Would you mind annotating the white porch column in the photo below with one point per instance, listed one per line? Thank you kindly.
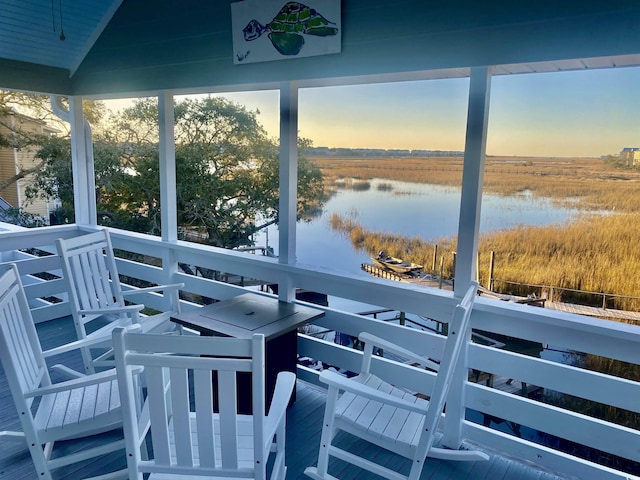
(468, 228)
(472, 178)
(84, 181)
(167, 152)
(288, 180)
(168, 203)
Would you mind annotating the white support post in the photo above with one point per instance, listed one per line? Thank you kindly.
(84, 189)
(472, 178)
(468, 228)
(168, 196)
(288, 181)
(167, 151)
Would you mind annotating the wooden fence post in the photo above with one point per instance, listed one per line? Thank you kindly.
(453, 269)
(435, 257)
(491, 267)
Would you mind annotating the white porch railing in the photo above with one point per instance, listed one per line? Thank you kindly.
(608, 339)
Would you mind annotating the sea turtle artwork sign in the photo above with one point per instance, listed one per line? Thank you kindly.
(265, 30)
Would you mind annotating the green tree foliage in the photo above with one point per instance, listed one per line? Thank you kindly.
(226, 172)
(616, 161)
(18, 216)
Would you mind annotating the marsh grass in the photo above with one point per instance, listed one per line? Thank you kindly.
(360, 185)
(594, 253)
(346, 182)
(581, 182)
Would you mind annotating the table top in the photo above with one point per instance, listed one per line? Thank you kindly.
(246, 314)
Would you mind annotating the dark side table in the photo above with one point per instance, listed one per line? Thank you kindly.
(251, 313)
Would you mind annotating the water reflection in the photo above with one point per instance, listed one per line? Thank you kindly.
(426, 211)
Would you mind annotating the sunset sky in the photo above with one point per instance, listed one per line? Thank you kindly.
(580, 113)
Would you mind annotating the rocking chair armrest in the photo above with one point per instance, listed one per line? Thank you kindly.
(285, 382)
(67, 385)
(68, 347)
(67, 371)
(87, 380)
(157, 288)
(334, 379)
(106, 311)
(85, 342)
(397, 349)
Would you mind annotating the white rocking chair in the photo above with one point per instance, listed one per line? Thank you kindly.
(390, 417)
(97, 300)
(48, 412)
(190, 440)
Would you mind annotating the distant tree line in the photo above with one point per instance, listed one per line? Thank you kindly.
(378, 152)
(620, 161)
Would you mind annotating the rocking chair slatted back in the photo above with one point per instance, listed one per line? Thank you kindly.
(92, 267)
(188, 437)
(97, 299)
(90, 270)
(21, 344)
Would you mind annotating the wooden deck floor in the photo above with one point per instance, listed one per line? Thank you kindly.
(303, 436)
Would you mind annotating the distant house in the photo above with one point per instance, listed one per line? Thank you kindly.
(631, 155)
(13, 160)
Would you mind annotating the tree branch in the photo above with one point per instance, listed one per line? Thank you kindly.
(265, 225)
(20, 175)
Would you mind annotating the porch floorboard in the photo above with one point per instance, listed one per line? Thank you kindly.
(304, 422)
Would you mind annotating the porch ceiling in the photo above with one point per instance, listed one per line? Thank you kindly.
(31, 30)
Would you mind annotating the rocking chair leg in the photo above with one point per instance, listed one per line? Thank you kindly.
(39, 456)
(325, 441)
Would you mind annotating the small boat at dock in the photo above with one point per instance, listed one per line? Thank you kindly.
(395, 264)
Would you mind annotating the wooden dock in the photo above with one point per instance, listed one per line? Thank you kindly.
(415, 278)
(504, 384)
(429, 280)
(606, 313)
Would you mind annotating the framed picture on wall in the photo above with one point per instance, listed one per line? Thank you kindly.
(266, 30)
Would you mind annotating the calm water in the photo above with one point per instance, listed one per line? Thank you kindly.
(427, 211)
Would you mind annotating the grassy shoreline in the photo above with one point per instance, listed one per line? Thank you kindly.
(595, 252)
